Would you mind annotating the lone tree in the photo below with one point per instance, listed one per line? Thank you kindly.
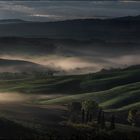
(89, 107)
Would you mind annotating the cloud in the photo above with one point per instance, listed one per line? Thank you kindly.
(46, 16)
(12, 6)
(56, 10)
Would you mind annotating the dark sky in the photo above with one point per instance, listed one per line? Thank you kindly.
(62, 10)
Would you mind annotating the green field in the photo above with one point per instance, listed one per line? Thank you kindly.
(114, 90)
(37, 103)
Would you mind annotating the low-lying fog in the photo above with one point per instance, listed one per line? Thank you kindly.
(82, 59)
(23, 98)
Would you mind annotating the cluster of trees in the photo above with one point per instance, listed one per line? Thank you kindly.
(42, 74)
(20, 75)
(89, 111)
(11, 76)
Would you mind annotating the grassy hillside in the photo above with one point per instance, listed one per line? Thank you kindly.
(117, 89)
(41, 83)
(125, 96)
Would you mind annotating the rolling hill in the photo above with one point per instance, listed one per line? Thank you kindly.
(116, 89)
(87, 44)
(120, 29)
(108, 39)
(20, 66)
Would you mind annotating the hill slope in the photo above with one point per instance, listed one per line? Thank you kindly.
(20, 66)
(117, 89)
(120, 29)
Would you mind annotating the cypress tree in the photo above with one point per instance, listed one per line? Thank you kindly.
(103, 121)
(83, 116)
(112, 123)
(99, 116)
(90, 117)
(87, 116)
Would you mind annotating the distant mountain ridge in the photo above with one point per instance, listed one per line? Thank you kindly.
(118, 29)
(3, 21)
(12, 20)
